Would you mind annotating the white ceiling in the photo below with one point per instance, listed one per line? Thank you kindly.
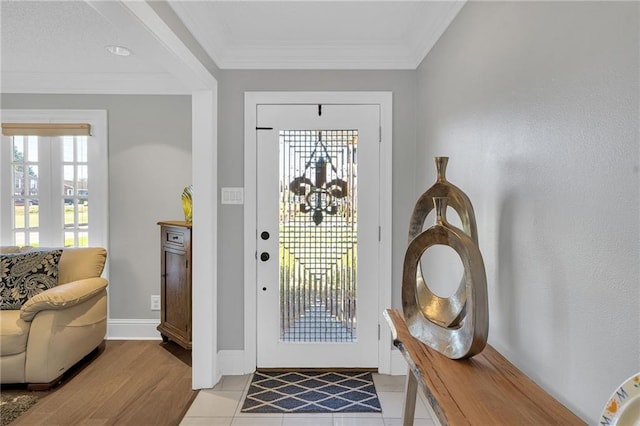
(317, 34)
(59, 46)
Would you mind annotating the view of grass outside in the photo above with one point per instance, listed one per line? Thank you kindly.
(83, 241)
(69, 219)
(33, 182)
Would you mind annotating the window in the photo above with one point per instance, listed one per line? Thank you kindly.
(75, 190)
(54, 178)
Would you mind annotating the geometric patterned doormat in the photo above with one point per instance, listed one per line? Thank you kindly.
(311, 392)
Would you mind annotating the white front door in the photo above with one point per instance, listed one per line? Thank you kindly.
(318, 210)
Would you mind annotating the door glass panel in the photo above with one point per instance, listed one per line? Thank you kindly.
(33, 213)
(82, 149)
(83, 178)
(69, 239)
(19, 180)
(83, 239)
(19, 214)
(20, 239)
(69, 215)
(67, 149)
(34, 239)
(83, 213)
(69, 181)
(18, 149)
(32, 149)
(25, 178)
(75, 191)
(318, 235)
(33, 180)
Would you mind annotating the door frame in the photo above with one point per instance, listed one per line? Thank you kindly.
(251, 102)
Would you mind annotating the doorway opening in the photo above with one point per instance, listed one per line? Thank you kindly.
(306, 189)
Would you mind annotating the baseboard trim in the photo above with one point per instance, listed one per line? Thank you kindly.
(231, 362)
(132, 329)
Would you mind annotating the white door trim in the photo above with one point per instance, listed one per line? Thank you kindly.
(251, 101)
(204, 160)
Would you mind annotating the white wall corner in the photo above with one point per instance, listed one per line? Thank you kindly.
(132, 329)
(231, 362)
(398, 364)
(205, 214)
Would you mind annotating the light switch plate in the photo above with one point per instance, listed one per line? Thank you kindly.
(232, 196)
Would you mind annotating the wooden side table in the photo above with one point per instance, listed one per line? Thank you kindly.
(484, 390)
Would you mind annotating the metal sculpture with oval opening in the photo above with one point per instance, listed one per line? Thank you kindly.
(456, 326)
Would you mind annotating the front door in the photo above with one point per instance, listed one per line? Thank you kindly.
(318, 190)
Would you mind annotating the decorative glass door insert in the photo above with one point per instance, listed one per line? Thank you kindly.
(317, 221)
(318, 226)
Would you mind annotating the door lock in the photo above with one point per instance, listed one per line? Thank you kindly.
(264, 235)
(264, 256)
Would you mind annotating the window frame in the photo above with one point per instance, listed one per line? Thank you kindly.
(98, 184)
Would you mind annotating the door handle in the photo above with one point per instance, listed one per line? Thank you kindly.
(264, 256)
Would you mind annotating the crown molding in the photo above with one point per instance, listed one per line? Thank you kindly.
(319, 58)
(229, 52)
(431, 32)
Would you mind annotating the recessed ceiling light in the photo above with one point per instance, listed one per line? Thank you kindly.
(118, 50)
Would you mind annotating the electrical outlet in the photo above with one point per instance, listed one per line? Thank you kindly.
(155, 303)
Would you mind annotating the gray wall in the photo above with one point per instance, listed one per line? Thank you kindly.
(232, 85)
(536, 103)
(149, 165)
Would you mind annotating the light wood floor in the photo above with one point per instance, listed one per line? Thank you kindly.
(129, 383)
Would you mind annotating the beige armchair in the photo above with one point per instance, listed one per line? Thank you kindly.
(58, 327)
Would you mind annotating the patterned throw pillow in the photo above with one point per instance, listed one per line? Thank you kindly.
(25, 275)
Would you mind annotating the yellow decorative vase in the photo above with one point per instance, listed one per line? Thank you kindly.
(187, 203)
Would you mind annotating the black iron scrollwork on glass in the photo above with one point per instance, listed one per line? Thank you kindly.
(321, 197)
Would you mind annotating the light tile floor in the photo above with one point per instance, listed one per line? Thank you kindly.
(221, 406)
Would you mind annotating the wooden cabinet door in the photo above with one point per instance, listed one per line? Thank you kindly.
(175, 316)
(177, 298)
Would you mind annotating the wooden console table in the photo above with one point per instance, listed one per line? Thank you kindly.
(484, 390)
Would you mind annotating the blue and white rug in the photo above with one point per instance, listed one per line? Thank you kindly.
(311, 392)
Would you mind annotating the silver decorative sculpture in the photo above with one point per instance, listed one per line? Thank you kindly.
(444, 311)
(456, 326)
